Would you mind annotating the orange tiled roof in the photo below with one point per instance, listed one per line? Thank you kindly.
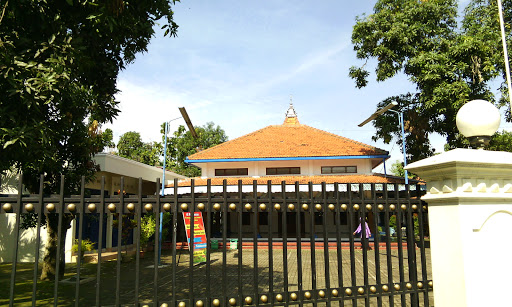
(292, 179)
(287, 140)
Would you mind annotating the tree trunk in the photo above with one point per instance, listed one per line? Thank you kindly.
(50, 257)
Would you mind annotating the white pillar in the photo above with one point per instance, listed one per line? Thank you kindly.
(469, 194)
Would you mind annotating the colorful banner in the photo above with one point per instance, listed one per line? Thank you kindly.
(199, 235)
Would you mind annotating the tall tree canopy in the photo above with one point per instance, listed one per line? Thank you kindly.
(131, 146)
(449, 62)
(182, 144)
(59, 62)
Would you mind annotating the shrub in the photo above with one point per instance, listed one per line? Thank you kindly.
(147, 228)
(87, 246)
(392, 222)
(416, 224)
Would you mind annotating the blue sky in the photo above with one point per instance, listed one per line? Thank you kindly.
(236, 63)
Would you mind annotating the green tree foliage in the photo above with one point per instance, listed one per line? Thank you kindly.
(397, 169)
(450, 63)
(59, 62)
(182, 144)
(501, 141)
(132, 147)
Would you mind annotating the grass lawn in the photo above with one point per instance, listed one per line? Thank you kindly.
(45, 289)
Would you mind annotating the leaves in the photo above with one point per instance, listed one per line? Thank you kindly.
(501, 141)
(449, 63)
(59, 61)
(10, 142)
(132, 147)
(183, 144)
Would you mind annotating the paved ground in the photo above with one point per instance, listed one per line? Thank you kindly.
(231, 285)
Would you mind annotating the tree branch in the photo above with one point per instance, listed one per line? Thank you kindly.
(3, 11)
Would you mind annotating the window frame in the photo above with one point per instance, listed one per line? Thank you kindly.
(323, 169)
(278, 171)
(239, 172)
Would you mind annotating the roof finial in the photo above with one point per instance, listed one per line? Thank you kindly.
(291, 115)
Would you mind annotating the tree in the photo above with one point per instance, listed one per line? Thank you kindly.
(183, 144)
(449, 63)
(130, 146)
(397, 169)
(501, 141)
(59, 62)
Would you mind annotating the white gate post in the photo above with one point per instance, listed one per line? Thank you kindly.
(469, 193)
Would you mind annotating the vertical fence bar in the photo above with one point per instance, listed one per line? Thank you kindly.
(422, 251)
(270, 245)
(209, 239)
(59, 236)
(191, 209)
(312, 241)
(389, 261)
(174, 240)
(411, 250)
(119, 211)
(255, 221)
(299, 243)
(224, 239)
(158, 244)
(100, 241)
(239, 211)
(138, 213)
(285, 242)
(326, 241)
(17, 211)
(40, 212)
(338, 240)
(400, 243)
(376, 208)
(81, 212)
(365, 243)
(350, 221)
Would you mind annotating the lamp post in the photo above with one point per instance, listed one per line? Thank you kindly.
(505, 53)
(401, 122)
(185, 116)
(166, 130)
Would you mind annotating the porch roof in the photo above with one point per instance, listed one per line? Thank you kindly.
(329, 179)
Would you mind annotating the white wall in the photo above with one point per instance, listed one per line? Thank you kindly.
(27, 241)
(307, 167)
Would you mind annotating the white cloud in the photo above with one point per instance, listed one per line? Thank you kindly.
(145, 107)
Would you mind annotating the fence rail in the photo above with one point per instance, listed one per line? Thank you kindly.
(293, 247)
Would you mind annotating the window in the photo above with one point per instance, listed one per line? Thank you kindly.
(231, 172)
(339, 169)
(283, 170)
